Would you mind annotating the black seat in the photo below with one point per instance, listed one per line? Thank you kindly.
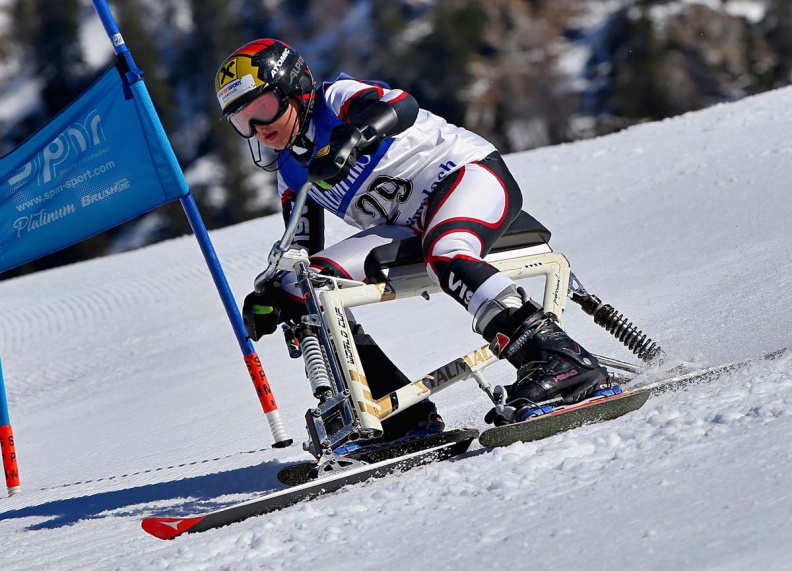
(523, 232)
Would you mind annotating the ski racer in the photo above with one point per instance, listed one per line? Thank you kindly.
(403, 172)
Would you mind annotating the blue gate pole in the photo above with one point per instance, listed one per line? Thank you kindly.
(255, 369)
(7, 443)
(252, 361)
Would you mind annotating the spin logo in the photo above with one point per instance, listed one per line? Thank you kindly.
(63, 151)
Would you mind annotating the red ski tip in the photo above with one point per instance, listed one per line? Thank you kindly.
(169, 527)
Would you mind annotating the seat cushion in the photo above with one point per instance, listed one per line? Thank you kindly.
(524, 231)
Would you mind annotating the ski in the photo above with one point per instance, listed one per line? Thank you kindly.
(297, 474)
(563, 418)
(170, 527)
(551, 420)
(443, 445)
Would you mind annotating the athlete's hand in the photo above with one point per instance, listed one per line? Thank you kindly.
(333, 162)
(264, 310)
(262, 313)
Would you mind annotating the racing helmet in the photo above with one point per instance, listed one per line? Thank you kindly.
(260, 66)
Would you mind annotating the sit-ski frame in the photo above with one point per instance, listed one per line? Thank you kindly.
(412, 281)
(351, 398)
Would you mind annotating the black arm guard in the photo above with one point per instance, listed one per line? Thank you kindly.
(378, 120)
(367, 122)
(376, 123)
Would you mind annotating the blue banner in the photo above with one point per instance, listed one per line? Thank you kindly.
(100, 162)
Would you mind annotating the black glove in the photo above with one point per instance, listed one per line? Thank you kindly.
(262, 312)
(333, 162)
(348, 141)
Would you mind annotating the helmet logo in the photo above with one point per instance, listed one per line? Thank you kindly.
(279, 64)
(298, 65)
(235, 89)
(228, 72)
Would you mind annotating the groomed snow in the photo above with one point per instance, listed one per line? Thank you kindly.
(129, 396)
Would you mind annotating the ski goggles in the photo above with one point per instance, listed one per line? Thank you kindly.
(263, 110)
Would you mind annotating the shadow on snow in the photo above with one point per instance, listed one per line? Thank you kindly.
(200, 494)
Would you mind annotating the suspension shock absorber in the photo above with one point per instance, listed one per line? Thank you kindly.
(607, 317)
(622, 329)
(315, 363)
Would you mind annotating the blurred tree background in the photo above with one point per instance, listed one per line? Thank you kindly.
(522, 73)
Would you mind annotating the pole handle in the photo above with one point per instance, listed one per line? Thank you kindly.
(282, 246)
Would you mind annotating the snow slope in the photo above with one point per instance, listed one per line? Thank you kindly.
(129, 396)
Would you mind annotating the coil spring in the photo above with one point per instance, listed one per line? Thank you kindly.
(315, 365)
(623, 330)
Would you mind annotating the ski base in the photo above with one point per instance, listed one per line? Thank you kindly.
(297, 474)
(170, 527)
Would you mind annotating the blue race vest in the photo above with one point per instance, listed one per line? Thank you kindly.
(337, 199)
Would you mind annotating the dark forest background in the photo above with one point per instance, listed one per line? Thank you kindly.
(523, 73)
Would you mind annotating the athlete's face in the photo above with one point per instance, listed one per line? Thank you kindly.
(280, 133)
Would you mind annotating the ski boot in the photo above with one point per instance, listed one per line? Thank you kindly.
(549, 363)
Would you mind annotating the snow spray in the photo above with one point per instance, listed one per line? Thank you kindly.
(7, 443)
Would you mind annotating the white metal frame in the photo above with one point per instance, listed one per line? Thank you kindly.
(411, 281)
